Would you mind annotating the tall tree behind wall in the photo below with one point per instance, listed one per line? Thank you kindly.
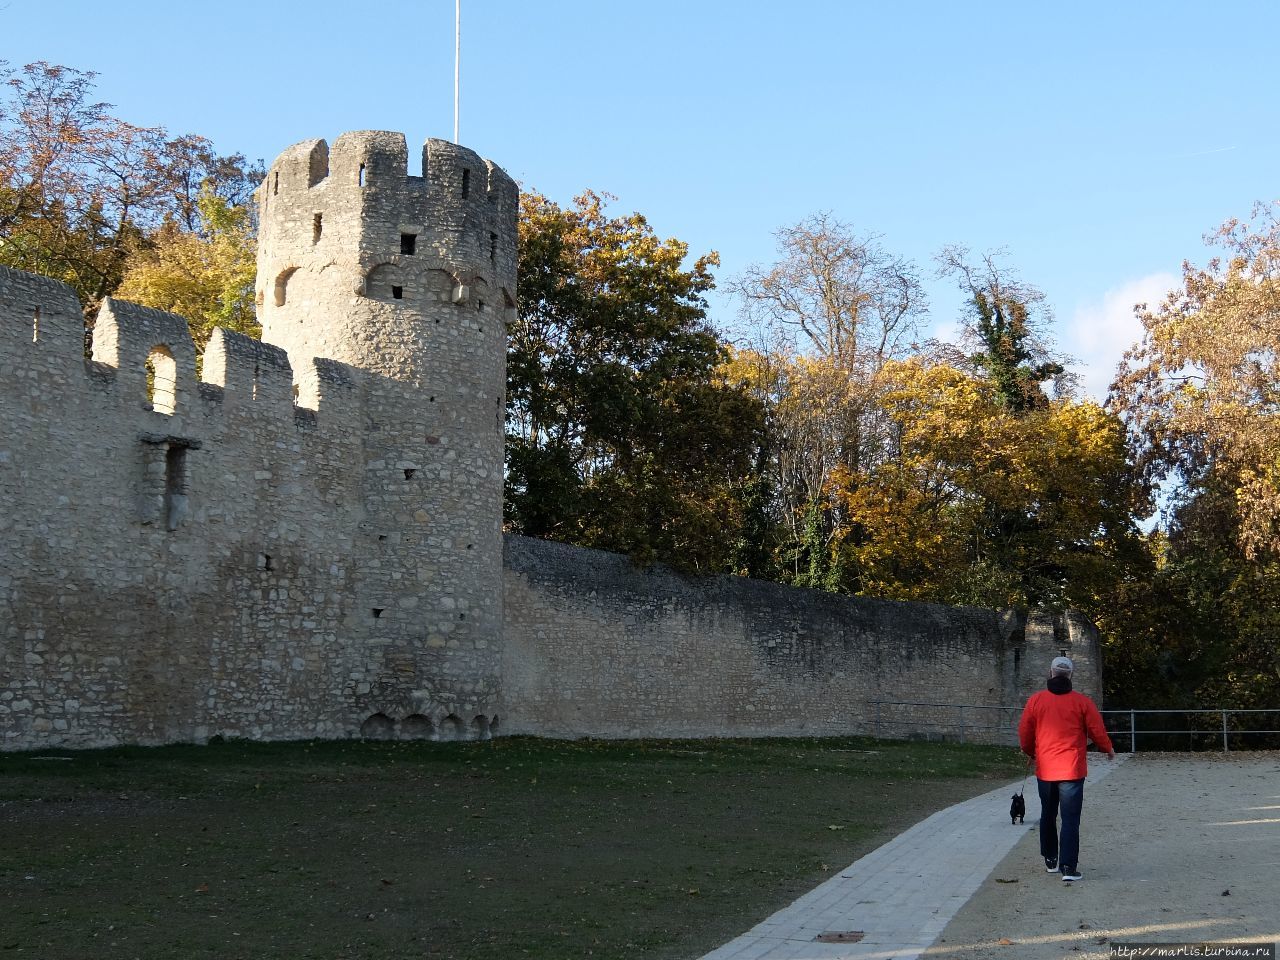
(828, 314)
(82, 190)
(623, 433)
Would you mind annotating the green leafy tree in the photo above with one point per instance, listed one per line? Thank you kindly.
(623, 432)
(1006, 326)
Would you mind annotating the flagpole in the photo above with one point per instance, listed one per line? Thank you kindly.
(457, 64)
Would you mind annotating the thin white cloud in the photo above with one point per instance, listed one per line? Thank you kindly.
(1100, 333)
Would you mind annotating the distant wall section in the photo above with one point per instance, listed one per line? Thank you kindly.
(595, 647)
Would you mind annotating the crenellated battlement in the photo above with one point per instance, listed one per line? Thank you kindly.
(145, 359)
(378, 160)
(307, 540)
(352, 219)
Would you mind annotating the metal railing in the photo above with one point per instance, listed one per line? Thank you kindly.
(1224, 729)
(982, 723)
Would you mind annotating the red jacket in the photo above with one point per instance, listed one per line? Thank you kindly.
(1055, 728)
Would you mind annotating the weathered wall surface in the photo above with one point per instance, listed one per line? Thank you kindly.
(167, 575)
(593, 646)
(306, 542)
(296, 545)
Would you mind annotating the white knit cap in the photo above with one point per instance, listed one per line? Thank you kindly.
(1061, 665)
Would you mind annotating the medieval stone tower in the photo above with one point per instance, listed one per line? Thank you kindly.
(410, 279)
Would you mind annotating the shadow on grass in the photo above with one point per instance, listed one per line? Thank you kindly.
(510, 848)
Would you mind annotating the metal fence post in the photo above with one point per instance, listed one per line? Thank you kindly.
(962, 723)
(1133, 730)
(1225, 748)
(877, 719)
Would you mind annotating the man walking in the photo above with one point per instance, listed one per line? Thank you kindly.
(1056, 725)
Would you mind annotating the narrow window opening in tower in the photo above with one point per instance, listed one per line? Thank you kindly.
(377, 612)
(275, 183)
(409, 472)
(317, 227)
(360, 176)
(397, 293)
(493, 248)
(35, 325)
(408, 243)
(295, 394)
(255, 381)
(175, 485)
(466, 183)
(267, 563)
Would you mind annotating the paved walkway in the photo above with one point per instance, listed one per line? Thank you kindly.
(900, 896)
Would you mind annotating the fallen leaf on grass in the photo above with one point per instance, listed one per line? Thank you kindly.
(1005, 942)
(203, 888)
(1003, 880)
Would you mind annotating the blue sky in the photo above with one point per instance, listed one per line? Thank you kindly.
(1097, 142)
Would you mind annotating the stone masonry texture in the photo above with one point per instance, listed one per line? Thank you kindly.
(306, 540)
(594, 647)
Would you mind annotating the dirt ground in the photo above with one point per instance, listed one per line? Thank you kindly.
(1175, 848)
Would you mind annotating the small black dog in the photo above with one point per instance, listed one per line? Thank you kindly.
(1017, 809)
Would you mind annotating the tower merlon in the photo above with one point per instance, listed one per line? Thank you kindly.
(372, 159)
(299, 168)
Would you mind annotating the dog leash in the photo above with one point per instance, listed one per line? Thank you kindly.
(1022, 789)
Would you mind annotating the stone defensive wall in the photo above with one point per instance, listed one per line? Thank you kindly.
(173, 554)
(305, 540)
(595, 647)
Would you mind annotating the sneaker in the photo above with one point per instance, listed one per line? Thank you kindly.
(1070, 874)
(1050, 864)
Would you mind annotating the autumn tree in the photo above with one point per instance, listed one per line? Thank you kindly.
(835, 293)
(81, 189)
(204, 273)
(829, 313)
(1201, 392)
(623, 433)
(985, 505)
(1200, 395)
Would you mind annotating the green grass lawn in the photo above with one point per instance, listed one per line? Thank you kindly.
(501, 850)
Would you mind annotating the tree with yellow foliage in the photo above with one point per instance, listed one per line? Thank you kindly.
(1201, 392)
(986, 505)
(206, 274)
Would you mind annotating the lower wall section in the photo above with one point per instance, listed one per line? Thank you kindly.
(595, 647)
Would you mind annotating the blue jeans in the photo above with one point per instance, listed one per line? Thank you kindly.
(1065, 797)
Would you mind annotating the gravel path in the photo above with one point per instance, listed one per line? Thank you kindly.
(1174, 848)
